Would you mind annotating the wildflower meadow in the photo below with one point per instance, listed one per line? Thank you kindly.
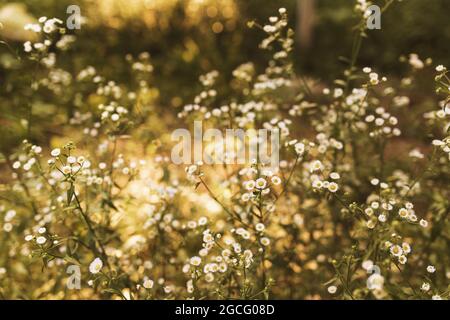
(144, 155)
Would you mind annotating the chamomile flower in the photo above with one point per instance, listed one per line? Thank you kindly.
(55, 152)
(403, 213)
(316, 166)
(402, 259)
(333, 187)
(249, 185)
(265, 241)
(396, 250)
(259, 227)
(261, 183)
(275, 180)
(406, 248)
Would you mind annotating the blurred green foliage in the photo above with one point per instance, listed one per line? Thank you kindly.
(182, 50)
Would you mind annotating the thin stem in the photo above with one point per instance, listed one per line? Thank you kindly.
(91, 230)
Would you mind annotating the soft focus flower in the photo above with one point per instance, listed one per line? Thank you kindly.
(95, 266)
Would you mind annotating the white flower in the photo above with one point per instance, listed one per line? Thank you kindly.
(333, 187)
(332, 289)
(276, 180)
(249, 185)
(375, 205)
(425, 287)
(259, 227)
(299, 148)
(436, 297)
(403, 213)
(245, 197)
(265, 241)
(335, 176)
(261, 183)
(148, 284)
(382, 218)
(96, 266)
(29, 237)
(16, 165)
(71, 160)
(7, 227)
(41, 240)
(440, 68)
(431, 269)
(195, 261)
(27, 46)
(415, 153)
(316, 165)
(66, 170)
(367, 265)
(317, 184)
(438, 143)
(42, 230)
(406, 247)
(55, 152)
(423, 223)
(402, 259)
(396, 250)
(115, 117)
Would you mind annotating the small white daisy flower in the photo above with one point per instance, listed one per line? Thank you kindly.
(95, 266)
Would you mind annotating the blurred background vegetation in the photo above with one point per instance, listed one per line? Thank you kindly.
(189, 37)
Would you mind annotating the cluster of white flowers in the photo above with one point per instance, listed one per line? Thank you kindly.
(142, 64)
(113, 112)
(415, 61)
(87, 73)
(399, 251)
(8, 219)
(47, 26)
(57, 79)
(244, 72)
(110, 89)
